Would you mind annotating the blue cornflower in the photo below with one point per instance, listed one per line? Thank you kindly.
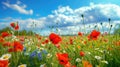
(44, 51)
(24, 49)
(39, 56)
(33, 54)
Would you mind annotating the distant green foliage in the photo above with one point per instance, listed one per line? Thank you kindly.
(117, 31)
(21, 32)
(8, 29)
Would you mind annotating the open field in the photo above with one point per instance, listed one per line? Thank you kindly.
(65, 51)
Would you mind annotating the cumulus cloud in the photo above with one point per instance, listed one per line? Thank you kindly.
(69, 21)
(66, 14)
(18, 7)
(92, 13)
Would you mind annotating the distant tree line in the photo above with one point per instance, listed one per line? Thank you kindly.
(30, 32)
(21, 32)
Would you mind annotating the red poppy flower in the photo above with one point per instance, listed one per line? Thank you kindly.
(17, 47)
(54, 38)
(80, 34)
(46, 41)
(82, 53)
(4, 63)
(68, 65)
(63, 58)
(43, 43)
(5, 34)
(94, 35)
(7, 44)
(14, 25)
(1, 39)
(85, 42)
(71, 41)
(86, 64)
(74, 66)
(11, 50)
(22, 38)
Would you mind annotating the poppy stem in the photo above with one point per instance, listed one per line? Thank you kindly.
(109, 25)
(83, 23)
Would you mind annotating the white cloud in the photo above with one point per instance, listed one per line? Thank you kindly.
(18, 7)
(7, 19)
(66, 14)
(92, 13)
(36, 23)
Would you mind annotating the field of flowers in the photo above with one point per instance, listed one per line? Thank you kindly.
(83, 50)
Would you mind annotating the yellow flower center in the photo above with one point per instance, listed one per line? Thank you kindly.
(6, 57)
(22, 66)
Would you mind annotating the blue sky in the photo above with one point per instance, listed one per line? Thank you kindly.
(67, 13)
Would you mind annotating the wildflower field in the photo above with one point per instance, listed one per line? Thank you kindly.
(94, 49)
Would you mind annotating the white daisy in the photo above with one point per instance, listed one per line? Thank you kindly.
(22, 65)
(98, 57)
(49, 55)
(43, 65)
(78, 60)
(104, 61)
(6, 56)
